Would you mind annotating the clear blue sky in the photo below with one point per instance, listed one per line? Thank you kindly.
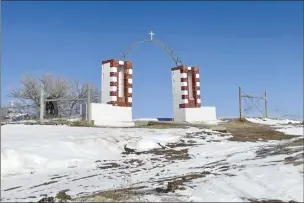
(256, 45)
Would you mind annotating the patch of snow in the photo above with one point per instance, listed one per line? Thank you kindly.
(269, 121)
(269, 182)
(47, 159)
(115, 124)
(146, 143)
(292, 130)
(284, 126)
(57, 147)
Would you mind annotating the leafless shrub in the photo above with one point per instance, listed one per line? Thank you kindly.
(55, 88)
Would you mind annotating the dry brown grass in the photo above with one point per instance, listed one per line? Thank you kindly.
(246, 131)
(161, 126)
(114, 195)
(62, 122)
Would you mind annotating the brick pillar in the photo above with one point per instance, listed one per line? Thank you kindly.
(111, 83)
(182, 97)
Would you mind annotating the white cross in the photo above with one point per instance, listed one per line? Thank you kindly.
(151, 35)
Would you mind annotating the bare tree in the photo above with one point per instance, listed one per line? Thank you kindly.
(55, 88)
(80, 91)
(29, 92)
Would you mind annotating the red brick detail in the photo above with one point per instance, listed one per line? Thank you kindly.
(193, 87)
(128, 65)
(125, 89)
(120, 103)
(117, 90)
(113, 74)
(113, 93)
(177, 68)
(195, 97)
(113, 84)
(120, 99)
(185, 96)
(184, 87)
(123, 104)
(192, 102)
(182, 106)
(123, 101)
(195, 70)
(183, 70)
(184, 79)
(107, 61)
(113, 62)
(127, 76)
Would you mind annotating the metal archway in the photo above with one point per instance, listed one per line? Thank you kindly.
(160, 44)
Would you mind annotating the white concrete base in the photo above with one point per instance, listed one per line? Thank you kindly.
(105, 114)
(202, 114)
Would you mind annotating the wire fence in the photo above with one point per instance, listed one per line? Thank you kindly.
(252, 105)
(68, 110)
(48, 109)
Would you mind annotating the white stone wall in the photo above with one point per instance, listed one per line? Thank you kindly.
(204, 113)
(105, 113)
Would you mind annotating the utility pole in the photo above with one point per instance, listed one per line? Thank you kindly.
(240, 103)
(41, 102)
(266, 104)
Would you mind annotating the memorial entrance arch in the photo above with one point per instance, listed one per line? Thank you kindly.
(117, 91)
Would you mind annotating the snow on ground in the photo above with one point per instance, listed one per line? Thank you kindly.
(38, 160)
(269, 121)
(286, 126)
(118, 124)
(28, 148)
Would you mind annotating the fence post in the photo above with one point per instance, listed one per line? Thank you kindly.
(240, 103)
(89, 104)
(41, 102)
(266, 104)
